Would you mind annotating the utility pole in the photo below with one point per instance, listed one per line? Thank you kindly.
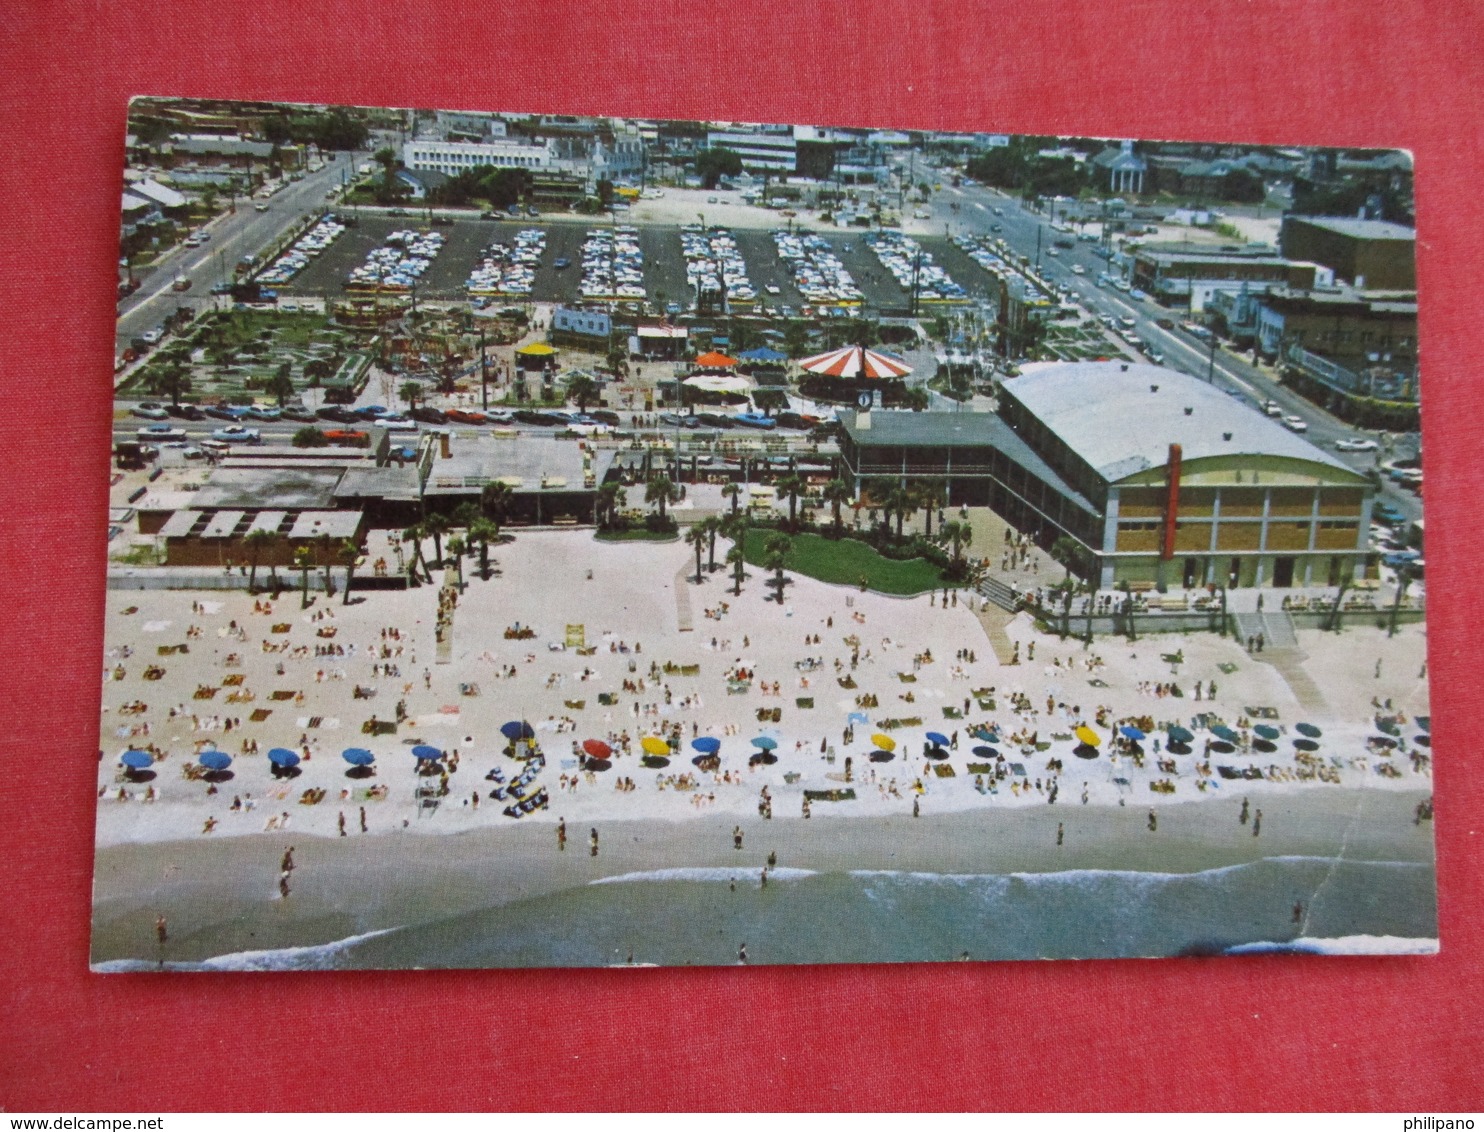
(1038, 248)
(1211, 357)
(484, 374)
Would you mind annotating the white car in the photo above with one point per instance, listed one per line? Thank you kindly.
(1358, 444)
(1296, 424)
(773, 290)
(1078, 269)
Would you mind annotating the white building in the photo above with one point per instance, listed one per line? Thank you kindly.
(760, 147)
(453, 158)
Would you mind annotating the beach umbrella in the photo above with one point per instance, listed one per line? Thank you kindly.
(1087, 735)
(1423, 740)
(1266, 731)
(1221, 731)
(422, 752)
(1308, 729)
(1306, 744)
(881, 756)
(282, 756)
(858, 717)
(1179, 734)
(1264, 746)
(762, 742)
(653, 745)
(706, 744)
(986, 734)
(1388, 726)
(358, 756)
(986, 752)
(1424, 722)
(1132, 733)
(884, 742)
(137, 760)
(517, 729)
(937, 738)
(714, 359)
(855, 361)
(214, 760)
(597, 748)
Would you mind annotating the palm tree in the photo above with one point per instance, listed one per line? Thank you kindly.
(1068, 552)
(172, 381)
(411, 392)
(415, 535)
(957, 532)
(350, 553)
(326, 559)
(281, 384)
(1403, 580)
(696, 537)
(836, 493)
(930, 494)
(483, 532)
(791, 487)
(438, 525)
(583, 390)
(712, 525)
(610, 497)
(738, 558)
(494, 500)
(303, 562)
(776, 550)
(386, 157)
(732, 491)
(661, 491)
(258, 541)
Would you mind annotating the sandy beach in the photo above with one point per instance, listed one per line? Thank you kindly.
(207, 856)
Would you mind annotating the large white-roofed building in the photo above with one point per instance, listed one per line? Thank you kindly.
(1159, 477)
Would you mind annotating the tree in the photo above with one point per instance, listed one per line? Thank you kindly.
(915, 397)
(482, 532)
(438, 525)
(309, 437)
(456, 549)
(776, 551)
(732, 491)
(930, 494)
(281, 384)
(712, 525)
(350, 554)
(738, 558)
(259, 542)
(791, 487)
(411, 392)
(1403, 580)
(170, 380)
(957, 532)
(494, 500)
(610, 497)
(583, 390)
(714, 164)
(415, 535)
(837, 493)
(696, 537)
(660, 492)
(386, 157)
(895, 501)
(770, 398)
(1068, 552)
(303, 562)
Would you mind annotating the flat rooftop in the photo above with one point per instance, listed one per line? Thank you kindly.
(269, 487)
(527, 463)
(1122, 417)
(1358, 229)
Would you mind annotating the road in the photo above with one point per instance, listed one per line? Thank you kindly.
(980, 209)
(233, 235)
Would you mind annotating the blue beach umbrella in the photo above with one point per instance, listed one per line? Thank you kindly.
(358, 756)
(1179, 734)
(517, 729)
(1308, 729)
(1221, 731)
(1423, 721)
(858, 717)
(1132, 733)
(986, 752)
(282, 756)
(214, 760)
(937, 738)
(422, 752)
(762, 742)
(1266, 731)
(706, 744)
(137, 760)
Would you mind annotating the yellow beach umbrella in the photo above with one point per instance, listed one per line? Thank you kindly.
(1088, 735)
(885, 742)
(654, 746)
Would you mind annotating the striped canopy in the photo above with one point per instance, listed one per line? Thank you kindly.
(856, 361)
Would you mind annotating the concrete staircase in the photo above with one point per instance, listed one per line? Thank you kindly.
(1276, 628)
(992, 589)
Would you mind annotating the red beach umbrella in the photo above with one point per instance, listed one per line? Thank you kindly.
(597, 748)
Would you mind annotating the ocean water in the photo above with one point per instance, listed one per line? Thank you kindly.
(679, 917)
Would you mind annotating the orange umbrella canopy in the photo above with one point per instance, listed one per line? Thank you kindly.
(715, 360)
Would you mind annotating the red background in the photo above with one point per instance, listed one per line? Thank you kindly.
(1285, 1033)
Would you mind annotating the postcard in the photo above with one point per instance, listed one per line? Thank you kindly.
(541, 540)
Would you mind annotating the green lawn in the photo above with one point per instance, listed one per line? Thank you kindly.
(844, 561)
(637, 534)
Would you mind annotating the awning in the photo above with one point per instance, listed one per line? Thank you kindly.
(714, 360)
(856, 361)
(537, 350)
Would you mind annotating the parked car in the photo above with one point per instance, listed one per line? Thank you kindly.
(298, 413)
(1295, 424)
(1356, 444)
(264, 412)
(716, 420)
(150, 411)
(466, 416)
(500, 416)
(226, 412)
(1386, 513)
(185, 412)
(237, 434)
(1272, 408)
(338, 413)
(562, 263)
(348, 437)
(756, 420)
(428, 415)
(606, 416)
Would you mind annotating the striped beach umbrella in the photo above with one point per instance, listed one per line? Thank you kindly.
(856, 361)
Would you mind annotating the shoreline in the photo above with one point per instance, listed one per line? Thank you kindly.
(220, 897)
